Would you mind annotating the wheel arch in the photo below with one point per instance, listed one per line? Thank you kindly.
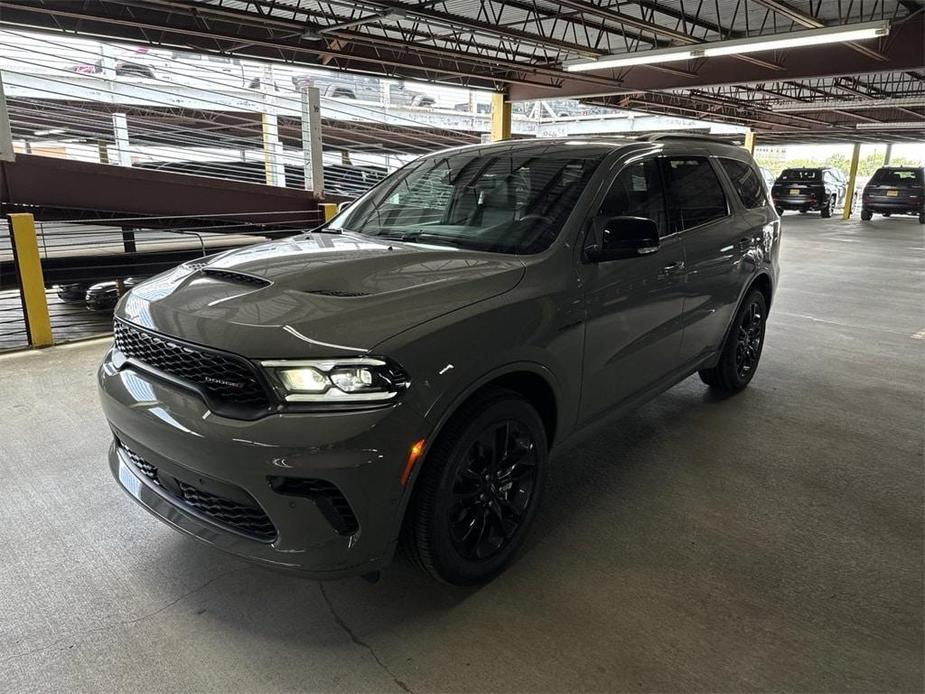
(532, 381)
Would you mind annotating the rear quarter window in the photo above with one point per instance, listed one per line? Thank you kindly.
(746, 182)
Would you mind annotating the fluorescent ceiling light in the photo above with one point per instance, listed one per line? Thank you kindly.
(799, 39)
(848, 104)
(53, 131)
(754, 44)
(666, 55)
(902, 125)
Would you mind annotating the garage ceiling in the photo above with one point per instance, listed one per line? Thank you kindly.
(874, 88)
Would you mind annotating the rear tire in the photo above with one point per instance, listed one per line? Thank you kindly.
(742, 348)
(478, 491)
(922, 217)
(866, 215)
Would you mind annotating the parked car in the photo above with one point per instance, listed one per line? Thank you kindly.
(895, 190)
(72, 292)
(402, 374)
(103, 296)
(804, 190)
(96, 296)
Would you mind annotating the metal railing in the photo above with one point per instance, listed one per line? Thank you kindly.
(60, 280)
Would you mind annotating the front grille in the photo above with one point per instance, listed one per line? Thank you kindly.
(327, 497)
(226, 378)
(146, 468)
(248, 519)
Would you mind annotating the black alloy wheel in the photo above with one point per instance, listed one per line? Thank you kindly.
(741, 351)
(492, 490)
(749, 338)
(478, 490)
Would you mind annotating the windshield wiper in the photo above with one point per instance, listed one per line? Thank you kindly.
(415, 236)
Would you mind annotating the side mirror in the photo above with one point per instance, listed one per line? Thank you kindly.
(341, 206)
(625, 237)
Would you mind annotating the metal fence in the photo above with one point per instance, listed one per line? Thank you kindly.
(83, 268)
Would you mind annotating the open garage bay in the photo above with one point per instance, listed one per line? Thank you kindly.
(771, 541)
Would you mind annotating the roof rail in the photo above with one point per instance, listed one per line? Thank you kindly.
(732, 138)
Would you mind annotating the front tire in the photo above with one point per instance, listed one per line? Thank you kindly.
(742, 349)
(478, 491)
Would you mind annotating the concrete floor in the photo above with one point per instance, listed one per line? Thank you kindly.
(768, 542)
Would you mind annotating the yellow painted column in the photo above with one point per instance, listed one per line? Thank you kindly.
(31, 282)
(750, 142)
(500, 117)
(852, 177)
(329, 209)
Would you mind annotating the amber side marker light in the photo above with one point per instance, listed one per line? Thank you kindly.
(413, 456)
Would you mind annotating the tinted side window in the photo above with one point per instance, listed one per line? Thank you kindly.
(695, 194)
(635, 192)
(746, 182)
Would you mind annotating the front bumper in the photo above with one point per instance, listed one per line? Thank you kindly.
(360, 454)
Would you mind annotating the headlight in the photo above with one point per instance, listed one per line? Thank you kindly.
(347, 380)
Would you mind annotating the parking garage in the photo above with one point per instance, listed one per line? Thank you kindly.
(702, 538)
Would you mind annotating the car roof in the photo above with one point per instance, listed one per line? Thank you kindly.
(604, 143)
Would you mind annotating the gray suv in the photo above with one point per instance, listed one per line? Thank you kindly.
(400, 376)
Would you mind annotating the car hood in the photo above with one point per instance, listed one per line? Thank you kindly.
(315, 295)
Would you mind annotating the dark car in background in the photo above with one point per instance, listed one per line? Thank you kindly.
(402, 374)
(809, 189)
(895, 190)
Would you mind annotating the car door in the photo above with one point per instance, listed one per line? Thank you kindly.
(632, 305)
(715, 242)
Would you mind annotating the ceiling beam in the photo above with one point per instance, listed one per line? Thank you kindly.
(903, 52)
(797, 16)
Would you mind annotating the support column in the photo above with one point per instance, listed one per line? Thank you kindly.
(750, 142)
(6, 134)
(328, 210)
(31, 282)
(888, 155)
(120, 133)
(500, 117)
(312, 155)
(273, 168)
(852, 177)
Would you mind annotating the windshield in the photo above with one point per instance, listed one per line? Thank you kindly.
(800, 175)
(502, 200)
(897, 177)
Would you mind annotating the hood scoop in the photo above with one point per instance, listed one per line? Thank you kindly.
(236, 277)
(340, 293)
